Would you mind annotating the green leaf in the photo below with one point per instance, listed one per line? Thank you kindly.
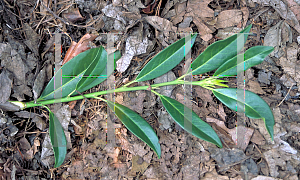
(93, 69)
(252, 57)
(117, 56)
(71, 73)
(255, 107)
(200, 129)
(164, 61)
(137, 125)
(58, 140)
(218, 53)
(102, 75)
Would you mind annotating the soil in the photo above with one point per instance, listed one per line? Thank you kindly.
(29, 53)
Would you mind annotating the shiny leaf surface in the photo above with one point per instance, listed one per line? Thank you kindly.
(200, 129)
(72, 73)
(219, 52)
(137, 125)
(164, 61)
(98, 73)
(252, 57)
(58, 140)
(93, 70)
(255, 106)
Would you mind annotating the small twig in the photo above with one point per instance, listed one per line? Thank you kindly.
(259, 13)
(235, 163)
(284, 97)
(40, 23)
(56, 16)
(66, 21)
(224, 143)
(146, 59)
(257, 149)
(20, 153)
(35, 5)
(11, 7)
(85, 98)
(9, 126)
(158, 8)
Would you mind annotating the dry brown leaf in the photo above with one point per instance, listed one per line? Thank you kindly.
(39, 122)
(278, 36)
(136, 44)
(221, 112)
(255, 87)
(214, 176)
(245, 12)
(134, 100)
(160, 23)
(290, 64)
(229, 18)
(277, 157)
(286, 13)
(180, 11)
(199, 10)
(5, 85)
(204, 94)
(73, 15)
(131, 15)
(29, 154)
(77, 48)
(149, 8)
(36, 143)
(32, 39)
(43, 10)
(257, 138)
(240, 134)
(24, 144)
(72, 104)
(220, 129)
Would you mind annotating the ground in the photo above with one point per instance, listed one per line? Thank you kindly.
(142, 29)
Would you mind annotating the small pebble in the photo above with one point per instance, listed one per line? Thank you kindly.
(298, 40)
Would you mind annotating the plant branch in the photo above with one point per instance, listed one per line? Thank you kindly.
(206, 83)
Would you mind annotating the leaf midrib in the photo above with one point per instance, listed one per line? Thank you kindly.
(71, 79)
(212, 138)
(242, 103)
(135, 124)
(241, 62)
(213, 56)
(161, 63)
(182, 114)
(93, 69)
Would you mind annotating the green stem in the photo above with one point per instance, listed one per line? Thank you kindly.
(155, 92)
(129, 83)
(184, 75)
(23, 105)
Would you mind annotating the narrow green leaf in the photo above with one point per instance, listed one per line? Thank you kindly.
(58, 140)
(255, 107)
(117, 56)
(102, 75)
(252, 57)
(218, 53)
(137, 125)
(70, 73)
(73, 70)
(164, 61)
(200, 129)
(93, 69)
